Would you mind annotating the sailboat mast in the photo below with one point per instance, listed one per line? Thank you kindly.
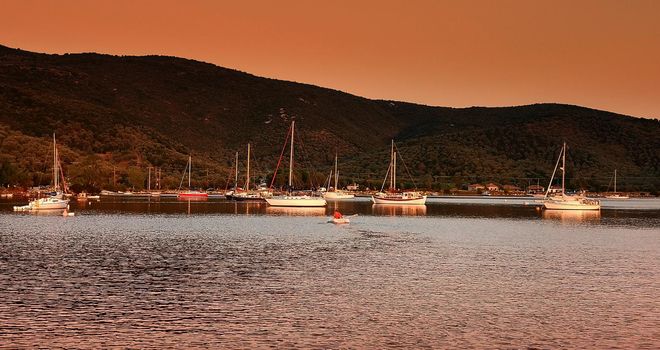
(247, 177)
(293, 123)
(336, 173)
(189, 169)
(392, 166)
(55, 173)
(614, 180)
(236, 172)
(394, 171)
(563, 170)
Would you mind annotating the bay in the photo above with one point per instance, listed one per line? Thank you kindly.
(457, 273)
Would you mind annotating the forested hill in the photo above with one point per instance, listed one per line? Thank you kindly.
(130, 113)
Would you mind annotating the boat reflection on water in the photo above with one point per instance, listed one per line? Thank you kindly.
(398, 210)
(47, 212)
(571, 216)
(296, 211)
(249, 207)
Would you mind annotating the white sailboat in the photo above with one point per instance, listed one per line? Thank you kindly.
(230, 194)
(392, 196)
(564, 201)
(247, 195)
(336, 193)
(294, 201)
(189, 193)
(54, 202)
(616, 195)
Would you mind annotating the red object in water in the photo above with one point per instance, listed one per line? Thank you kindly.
(338, 215)
(193, 194)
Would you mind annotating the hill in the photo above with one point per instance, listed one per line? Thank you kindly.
(123, 114)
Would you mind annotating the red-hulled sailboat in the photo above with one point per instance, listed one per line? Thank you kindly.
(190, 194)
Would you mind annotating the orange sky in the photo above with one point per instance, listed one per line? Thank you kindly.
(602, 54)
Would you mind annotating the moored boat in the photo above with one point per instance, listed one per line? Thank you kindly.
(292, 200)
(296, 201)
(564, 201)
(392, 196)
(190, 193)
(56, 201)
(193, 194)
(336, 193)
(403, 198)
(616, 195)
(247, 194)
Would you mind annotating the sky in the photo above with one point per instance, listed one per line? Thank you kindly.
(601, 54)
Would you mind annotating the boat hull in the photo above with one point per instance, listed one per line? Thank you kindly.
(193, 195)
(296, 201)
(249, 197)
(399, 201)
(617, 197)
(338, 195)
(339, 221)
(45, 204)
(570, 205)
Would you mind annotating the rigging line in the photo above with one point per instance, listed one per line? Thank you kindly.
(279, 161)
(405, 166)
(227, 183)
(183, 177)
(256, 166)
(385, 179)
(553, 173)
(610, 183)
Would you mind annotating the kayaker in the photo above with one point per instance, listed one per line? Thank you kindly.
(338, 215)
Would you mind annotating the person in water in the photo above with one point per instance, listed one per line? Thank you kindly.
(338, 215)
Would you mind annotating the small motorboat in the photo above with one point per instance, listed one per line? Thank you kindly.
(343, 220)
(337, 218)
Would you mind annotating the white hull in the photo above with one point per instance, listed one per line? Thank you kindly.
(296, 201)
(50, 203)
(339, 221)
(338, 195)
(571, 204)
(399, 201)
(616, 196)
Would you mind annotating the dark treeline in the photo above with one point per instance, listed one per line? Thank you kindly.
(116, 117)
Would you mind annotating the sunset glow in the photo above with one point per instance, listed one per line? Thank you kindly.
(599, 54)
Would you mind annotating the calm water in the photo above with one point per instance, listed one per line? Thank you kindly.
(457, 273)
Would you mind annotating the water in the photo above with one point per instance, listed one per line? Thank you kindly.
(240, 275)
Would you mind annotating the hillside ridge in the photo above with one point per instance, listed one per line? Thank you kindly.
(124, 114)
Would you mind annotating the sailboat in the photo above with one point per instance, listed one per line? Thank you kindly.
(230, 194)
(616, 195)
(336, 193)
(55, 201)
(564, 201)
(190, 194)
(247, 194)
(392, 196)
(290, 200)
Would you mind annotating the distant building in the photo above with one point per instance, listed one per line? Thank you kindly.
(535, 189)
(492, 187)
(554, 189)
(476, 187)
